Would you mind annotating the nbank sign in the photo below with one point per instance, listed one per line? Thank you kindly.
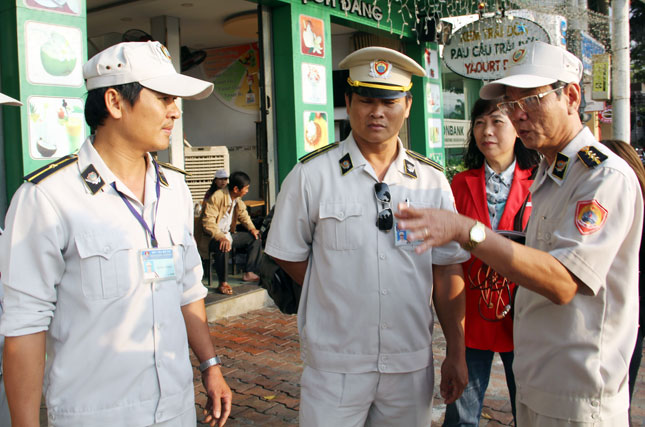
(357, 7)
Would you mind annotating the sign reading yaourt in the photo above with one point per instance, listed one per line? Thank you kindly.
(480, 50)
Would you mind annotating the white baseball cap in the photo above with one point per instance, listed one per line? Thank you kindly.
(7, 100)
(147, 63)
(379, 72)
(221, 174)
(535, 65)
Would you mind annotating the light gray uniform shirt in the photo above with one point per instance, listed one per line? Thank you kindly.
(117, 348)
(365, 304)
(571, 361)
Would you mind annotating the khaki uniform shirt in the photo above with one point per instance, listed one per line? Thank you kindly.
(365, 304)
(571, 361)
(117, 348)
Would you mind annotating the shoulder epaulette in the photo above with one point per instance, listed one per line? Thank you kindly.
(424, 159)
(173, 168)
(591, 156)
(39, 174)
(317, 152)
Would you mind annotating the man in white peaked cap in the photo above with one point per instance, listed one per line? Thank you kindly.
(576, 311)
(365, 317)
(5, 418)
(100, 268)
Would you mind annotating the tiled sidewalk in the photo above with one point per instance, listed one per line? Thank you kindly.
(262, 365)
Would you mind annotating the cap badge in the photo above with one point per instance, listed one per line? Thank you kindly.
(518, 55)
(380, 69)
(164, 51)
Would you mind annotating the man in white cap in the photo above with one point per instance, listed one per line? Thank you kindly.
(100, 267)
(5, 418)
(576, 311)
(365, 317)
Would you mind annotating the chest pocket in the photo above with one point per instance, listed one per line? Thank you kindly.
(340, 225)
(186, 255)
(545, 232)
(107, 265)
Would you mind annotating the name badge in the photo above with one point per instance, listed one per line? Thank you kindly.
(157, 264)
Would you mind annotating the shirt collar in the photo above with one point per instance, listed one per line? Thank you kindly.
(87, 155)
(395, 172)
(568, 154)
(506, 176)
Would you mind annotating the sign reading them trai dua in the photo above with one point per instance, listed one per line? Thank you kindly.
(481, 50)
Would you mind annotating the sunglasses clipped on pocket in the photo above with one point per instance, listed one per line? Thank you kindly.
(384, 218)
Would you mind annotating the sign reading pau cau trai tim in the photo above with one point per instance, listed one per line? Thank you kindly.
(481, 50)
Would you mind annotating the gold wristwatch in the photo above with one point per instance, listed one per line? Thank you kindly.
(477, 235)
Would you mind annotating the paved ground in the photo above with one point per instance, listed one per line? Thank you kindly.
(262, 366)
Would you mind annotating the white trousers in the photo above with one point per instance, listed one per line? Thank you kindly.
(526, 417)
(367, 399)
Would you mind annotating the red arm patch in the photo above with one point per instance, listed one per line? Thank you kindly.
(590, 216)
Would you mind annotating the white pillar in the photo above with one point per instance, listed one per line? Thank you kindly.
(620, 70)
(166, 30)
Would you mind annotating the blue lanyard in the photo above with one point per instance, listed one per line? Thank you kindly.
(137, 215)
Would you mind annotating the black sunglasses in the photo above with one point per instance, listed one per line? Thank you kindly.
(384, 220)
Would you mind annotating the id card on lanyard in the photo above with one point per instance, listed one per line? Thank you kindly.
(157, 264)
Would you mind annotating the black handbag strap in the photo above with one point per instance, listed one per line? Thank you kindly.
(519, 216)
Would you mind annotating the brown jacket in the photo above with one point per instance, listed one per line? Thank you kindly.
(212, 213)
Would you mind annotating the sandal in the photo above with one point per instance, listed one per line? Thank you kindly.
(224, 288)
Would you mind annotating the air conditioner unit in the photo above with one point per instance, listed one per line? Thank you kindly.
(201, 164)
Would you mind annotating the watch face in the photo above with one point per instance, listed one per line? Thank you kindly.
(478, 233)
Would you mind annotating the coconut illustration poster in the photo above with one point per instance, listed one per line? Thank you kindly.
(54, 54)
(70, 7)
(312, 36)
(56, 126)
(314, 84)
(434, 133)
(316, 130)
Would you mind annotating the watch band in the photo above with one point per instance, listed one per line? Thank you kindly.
(213, 361)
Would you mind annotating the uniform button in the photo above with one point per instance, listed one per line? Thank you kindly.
(383, 366)
(107, 249)
(160, 414)
(384, 292)
(341, 214)
(594, 403)
(159, 364)
(547, 236)
(382, 256)
(384, 358)
(595, 416)
(384, 326)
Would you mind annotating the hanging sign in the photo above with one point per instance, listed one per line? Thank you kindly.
(481, 50)
(601, 88)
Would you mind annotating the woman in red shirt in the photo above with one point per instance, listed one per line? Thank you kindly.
(495, 191)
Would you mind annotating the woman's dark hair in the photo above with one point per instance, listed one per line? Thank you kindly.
(628, 154)
(95, 109)
(474, 159)
(238, 179)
